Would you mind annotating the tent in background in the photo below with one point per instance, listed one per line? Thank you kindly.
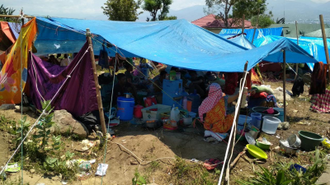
(260, 32)
(314, 46)
(176, 43)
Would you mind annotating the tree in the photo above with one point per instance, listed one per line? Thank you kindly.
(122, 10)
(170, 18)
(223, 9)
(249, 8)
(158, 6)
(6, 11)
(263, 20)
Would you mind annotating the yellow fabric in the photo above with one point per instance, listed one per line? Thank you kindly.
(12, 73)
(216, 120)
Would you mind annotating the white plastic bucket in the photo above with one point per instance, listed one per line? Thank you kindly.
(270, 124)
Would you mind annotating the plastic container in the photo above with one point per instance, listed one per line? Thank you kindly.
(281, 113)
(256, 119)
(241, 120)
(178, 76)
(138, 111)
(196, 101)
(172, 75)
(175, 116)
(125, 107)
(270, 124)
(263, 146)
(187, 120)
(184, 102)
(154, 112)
(262, 110)
(309, 140)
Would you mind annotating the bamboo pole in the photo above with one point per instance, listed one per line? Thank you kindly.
(297, 34)
(284, 81)
(233, 127)
(16, 16)
(97, 86)
(325, 44)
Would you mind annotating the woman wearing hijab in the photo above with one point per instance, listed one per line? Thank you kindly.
(214, 106)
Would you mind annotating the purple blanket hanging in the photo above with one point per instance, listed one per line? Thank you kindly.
(77, 96)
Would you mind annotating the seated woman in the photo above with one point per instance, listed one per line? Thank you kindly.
(215, 106)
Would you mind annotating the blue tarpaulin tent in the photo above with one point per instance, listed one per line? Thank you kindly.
(176, 43)
(260, 32)
(313, 46)
(241, 40)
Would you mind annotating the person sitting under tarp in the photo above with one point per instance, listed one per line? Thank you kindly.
(215, 107)
(157, 85)
(122, 88)
(197, 83)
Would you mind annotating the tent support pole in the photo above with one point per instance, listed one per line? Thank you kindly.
(325, 43)
(97, 86)
(243, 21)
(284, 81)
(297, 34)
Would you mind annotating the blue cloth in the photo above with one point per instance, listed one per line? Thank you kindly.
(313, 46)
(260, 32)
(176, 43)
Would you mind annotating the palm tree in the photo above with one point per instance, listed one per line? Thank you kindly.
(6, 11)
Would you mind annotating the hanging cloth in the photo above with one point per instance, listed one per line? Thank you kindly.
(319, 79)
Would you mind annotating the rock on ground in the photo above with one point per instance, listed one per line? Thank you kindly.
(325, 177)
(66, 124)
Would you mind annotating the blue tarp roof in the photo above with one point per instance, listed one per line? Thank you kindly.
(176, 43)
(242, 41)
(314, 46)
(260, 32)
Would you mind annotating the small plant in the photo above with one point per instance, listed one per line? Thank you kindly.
(138, 179)
(284, 173)
(44, 125)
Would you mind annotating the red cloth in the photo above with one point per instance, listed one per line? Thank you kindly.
(321, 102)
(260, 95)
(215, 94)
(231, 83)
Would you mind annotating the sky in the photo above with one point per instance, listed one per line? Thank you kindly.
(85, 9)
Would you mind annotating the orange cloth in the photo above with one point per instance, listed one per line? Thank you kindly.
(11, 73)
(7, 31)
(216, 119)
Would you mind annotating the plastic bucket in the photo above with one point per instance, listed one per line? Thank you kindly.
(281, 113)
(125, 107)
(241, 120)
(270, 124)
(262, 110)
(309, 140)
(256, 119)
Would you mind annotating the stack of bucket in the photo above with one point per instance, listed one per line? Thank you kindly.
(256, 119)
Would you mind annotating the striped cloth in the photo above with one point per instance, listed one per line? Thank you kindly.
(321, 102)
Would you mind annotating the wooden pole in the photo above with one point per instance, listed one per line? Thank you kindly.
(297, 34)
(231, 141)
(16, 16)
(284, 81)
(97, 86)
(243, 21)
(325, 43)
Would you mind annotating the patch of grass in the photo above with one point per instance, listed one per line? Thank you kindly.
(185, 172)
(283, 173)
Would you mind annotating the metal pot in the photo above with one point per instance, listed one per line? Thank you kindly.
(286, 149)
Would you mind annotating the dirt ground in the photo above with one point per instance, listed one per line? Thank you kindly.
(150, 145)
